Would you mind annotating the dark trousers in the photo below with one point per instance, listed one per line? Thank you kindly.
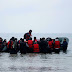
(57, 50)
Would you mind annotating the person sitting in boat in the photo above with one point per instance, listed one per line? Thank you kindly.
(65, 44)
(43, 45)
(57, 45)
(27, 35)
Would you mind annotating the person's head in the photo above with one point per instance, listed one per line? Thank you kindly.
(50, 39)
(22, 40)
(40, 39)
(11, 39)
(34, 38)
(15, 39)
(43, 38)
(30, 31)
(64, 39)
(5, 40)
(57, 39)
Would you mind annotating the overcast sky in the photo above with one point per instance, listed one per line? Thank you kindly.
(42, 16)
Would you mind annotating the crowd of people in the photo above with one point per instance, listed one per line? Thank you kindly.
(29, 45)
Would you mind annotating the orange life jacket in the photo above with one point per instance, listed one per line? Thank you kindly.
(10, 44)
(36, 48)
(57, 44)
(30, 43)
(50, 43)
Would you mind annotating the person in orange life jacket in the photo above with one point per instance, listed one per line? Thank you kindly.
(43, 45)
(9, 45)
(35, 40)
(50, 44)
(57, 45)
(65, 44)
(1, 42)
(36, 47)
(30, 43)
(27, 35)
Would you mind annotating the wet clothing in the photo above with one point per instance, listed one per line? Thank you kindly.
(57, 44)
(50, 43)
(43, 45)
(4, 47)
(10, 44)
(30, 43)
(23, 48)
(18, 45)
(65, 44)
(36, 48)
(27, 36)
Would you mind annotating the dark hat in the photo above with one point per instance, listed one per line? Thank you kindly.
(30, 30)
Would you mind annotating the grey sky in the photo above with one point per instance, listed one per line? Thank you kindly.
(42, 16)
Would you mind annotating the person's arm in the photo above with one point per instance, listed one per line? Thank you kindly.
(27, 45)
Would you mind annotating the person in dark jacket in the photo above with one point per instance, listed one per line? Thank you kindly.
(43, 45)
(23, 47)
(65, 44)
(4, 46)
(1, 42)
(27, 35)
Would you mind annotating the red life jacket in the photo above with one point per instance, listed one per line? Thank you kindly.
(36, 48)
(50, 43)
(57, 44)
(9, 45)
(30, 43)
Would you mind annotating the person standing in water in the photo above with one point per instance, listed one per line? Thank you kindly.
(65, 44)
(28, 35)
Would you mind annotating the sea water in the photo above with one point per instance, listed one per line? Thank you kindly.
(37, 62)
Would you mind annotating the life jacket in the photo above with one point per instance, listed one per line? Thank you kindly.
(9, 44)
(36, 48)
(0, 44)
(30, 43)
(19, 42)
(57, 44)
(50, 43)
(35, 40)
